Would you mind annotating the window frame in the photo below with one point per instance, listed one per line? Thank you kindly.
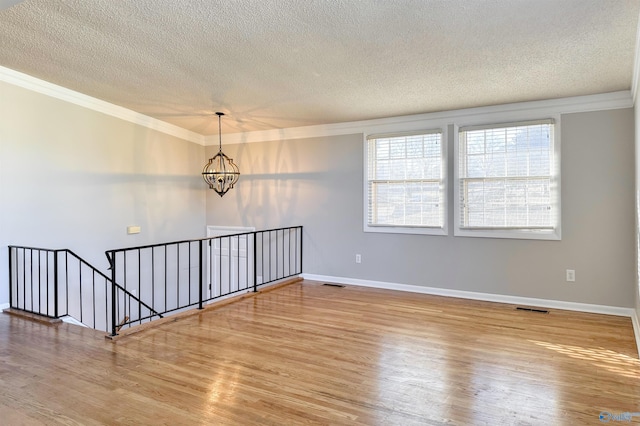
(444, 185)
(533, 233)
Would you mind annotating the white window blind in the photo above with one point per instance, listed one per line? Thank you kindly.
(507, 177)
(405, 180)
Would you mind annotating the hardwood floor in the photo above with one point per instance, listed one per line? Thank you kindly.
(312, 354)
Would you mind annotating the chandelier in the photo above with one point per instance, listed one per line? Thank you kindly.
(220, 172)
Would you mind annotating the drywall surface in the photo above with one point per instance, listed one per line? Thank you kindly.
(318, 183)
(74, 178)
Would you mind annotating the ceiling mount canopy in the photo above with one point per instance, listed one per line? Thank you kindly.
(220, 173)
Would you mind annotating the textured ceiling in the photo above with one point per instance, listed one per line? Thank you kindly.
(286, 63)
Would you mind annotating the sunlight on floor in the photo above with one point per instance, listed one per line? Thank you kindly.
(433, 379)
(222, 388)
(609, 360)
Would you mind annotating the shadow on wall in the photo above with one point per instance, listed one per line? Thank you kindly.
(269, 185)
(282, 182)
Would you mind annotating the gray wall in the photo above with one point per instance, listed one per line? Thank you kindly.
(318, 183)
(637, 213)
(74, 178)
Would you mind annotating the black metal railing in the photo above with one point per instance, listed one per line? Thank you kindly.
(149, 282)
(59, 283)
(173, 277)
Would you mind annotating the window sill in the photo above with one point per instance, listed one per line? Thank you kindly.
(417, 230)
(520, 234)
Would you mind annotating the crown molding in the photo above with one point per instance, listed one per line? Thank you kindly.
(598, 102)
(28, 82)
(636, 66)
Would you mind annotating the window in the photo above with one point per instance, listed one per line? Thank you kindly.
(405, 182)
(507, 181)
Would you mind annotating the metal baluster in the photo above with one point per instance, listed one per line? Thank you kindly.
(255, 262)
(66, 279)
(246, 263)
(124, 283)
(201, 270)
(31, 279)
(238, 261)
(80, 286)
(178, 277)
(153, 278)
(210, 260)
(55, 285)
(93, 291)
(139, 286)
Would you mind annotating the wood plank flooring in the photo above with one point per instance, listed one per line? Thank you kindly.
(312, 354)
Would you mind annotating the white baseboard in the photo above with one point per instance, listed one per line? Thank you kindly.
(4, 306)
(636, 329)
(488, 297)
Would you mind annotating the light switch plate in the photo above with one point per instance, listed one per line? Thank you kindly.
(133, 229)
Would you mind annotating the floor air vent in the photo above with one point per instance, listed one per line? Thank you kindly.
(333, 285)
(540, 311)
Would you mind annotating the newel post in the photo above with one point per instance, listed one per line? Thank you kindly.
(55, 283)
(11, 276)
(112, 264)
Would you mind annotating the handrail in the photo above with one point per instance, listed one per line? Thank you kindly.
(35, 248)
(108, 279)
(86, 263)
(197, 239)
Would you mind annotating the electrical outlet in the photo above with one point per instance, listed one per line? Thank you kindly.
(571, 275)
(358, 258)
